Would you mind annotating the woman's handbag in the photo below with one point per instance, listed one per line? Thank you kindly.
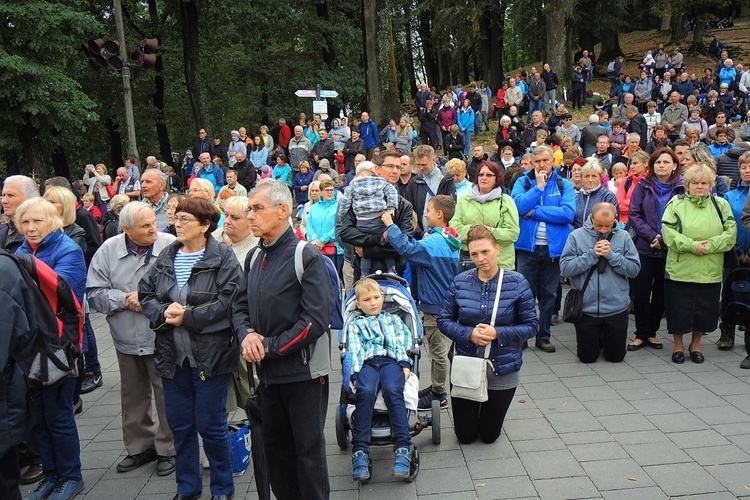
(573, 308)
(469, 373)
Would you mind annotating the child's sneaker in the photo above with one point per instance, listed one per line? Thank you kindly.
(360, 466)
(402, 463)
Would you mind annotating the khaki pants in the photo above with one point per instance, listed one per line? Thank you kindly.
(348, 273)
(139, 430)
(438, 346)
(239, 389)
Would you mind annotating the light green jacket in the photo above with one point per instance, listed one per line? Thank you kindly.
(687, 221)
(501, 218)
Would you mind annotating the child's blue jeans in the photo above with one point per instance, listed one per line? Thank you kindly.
(391, 378)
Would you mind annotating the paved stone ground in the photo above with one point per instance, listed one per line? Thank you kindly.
(642, 429)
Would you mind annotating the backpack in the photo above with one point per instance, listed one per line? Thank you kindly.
(337, 316)
(59, 339)
(736, 304)
(527, 184)
(611, 66)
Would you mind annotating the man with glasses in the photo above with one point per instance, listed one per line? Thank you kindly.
(370, 245)
(292, 343)
(546, 207)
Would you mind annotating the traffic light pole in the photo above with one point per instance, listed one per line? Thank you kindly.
(129, 119)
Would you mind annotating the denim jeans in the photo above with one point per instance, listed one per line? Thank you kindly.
(91, 357)
(534, 106)
(477, 123)
(386, 373)
(57, 432)
(199, 406)
(538, 265)
(550, 98)
(467, 140)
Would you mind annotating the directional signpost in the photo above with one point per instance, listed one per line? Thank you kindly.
(320, 105)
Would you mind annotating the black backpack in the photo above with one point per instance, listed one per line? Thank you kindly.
(59, 338)
(736, 304)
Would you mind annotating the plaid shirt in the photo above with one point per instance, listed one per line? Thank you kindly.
(370, 196)
(381, 335)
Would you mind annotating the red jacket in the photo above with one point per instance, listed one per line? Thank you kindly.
(285, 135)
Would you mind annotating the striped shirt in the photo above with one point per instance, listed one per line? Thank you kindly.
(381, 335)
(183, 265)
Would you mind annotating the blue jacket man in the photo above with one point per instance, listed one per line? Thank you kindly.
(546, 207)
(369, 134)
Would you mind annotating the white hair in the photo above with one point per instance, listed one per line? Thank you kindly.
(278, 192)
(28, 186)
(130, 211)
(593, 118)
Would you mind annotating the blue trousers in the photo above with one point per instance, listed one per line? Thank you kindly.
(390, 376)
(57, 432)
(538, 267)
(534, 106)
(91, 356)
(467, 140)
(199, 406)
(477, 123)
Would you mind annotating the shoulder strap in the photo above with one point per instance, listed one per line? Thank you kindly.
(718, 210)
(588, 278)
(494, 308)
(299, 265)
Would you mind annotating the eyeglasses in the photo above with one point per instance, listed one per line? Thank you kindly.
(392, 167)
(185, 220)
(259, 209)
(486, 175)
(329, 190)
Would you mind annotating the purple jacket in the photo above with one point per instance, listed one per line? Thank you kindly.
(446, 117)
(644, 215)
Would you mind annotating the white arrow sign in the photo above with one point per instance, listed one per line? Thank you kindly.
(329, 94)
(305, 93)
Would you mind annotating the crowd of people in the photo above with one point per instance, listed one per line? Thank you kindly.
(197, 270)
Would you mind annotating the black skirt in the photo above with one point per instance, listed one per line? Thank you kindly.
(691, 307)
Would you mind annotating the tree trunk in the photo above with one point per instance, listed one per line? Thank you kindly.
(115, 145)
(428, 49)
(556, 18)
(676, 27)
(463, 67)
(697, 46)
(59, 159)
(162, 133)
(34, 162)
(380, 62)
(191, 55)
(666, 16)
(408, 34)
(610, 48)
(494, 73)
(328, 48)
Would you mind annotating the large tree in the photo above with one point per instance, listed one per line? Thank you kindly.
(380, 61)
(557, 14)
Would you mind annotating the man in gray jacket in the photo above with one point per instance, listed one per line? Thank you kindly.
(599, 258)
(112, 289)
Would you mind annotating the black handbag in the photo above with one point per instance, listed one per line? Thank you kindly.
(730, 256)
(573, 308)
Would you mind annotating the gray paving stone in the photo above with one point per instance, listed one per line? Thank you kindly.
(596, 393)
(617, 474)
(647, 391)
(652, 493)
(461, 495)
(597, 451)
(118, 489)
(732, 429)
(719, 455)
(626, 423)
(508, 487)
(538, 445)
(654, 436)
(567, 404)
(657, 406)
(529, 429)
(698, 398)
(492, 469)
(723, 414)
(575, 369)
(609, 407)
(741, 402)
(613, 372)
(448, 480)
(481, 451)
(683, 479)
(387, 491)
(577, 421)
(573, 438)
(547, 390)
(656, 453)
(733, 476)
(698, 439)
(583, 381)
(680, 422)
(731, 389)
(550, 464)
(564, 488)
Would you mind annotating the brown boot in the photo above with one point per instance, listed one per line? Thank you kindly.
(726, 341)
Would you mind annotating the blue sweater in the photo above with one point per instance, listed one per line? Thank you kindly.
(258, 158)
(64, 256)
(736, 199)
(434, 259)
(469, 302)
(557, 210)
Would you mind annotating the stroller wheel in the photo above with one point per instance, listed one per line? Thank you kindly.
(342, 434)
(435, 424)
(414, 468)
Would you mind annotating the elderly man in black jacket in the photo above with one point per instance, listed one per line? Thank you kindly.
(370, 245)
(281, 320)
(430, 181)
(18, 326)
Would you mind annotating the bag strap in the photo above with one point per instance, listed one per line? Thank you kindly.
(718, 210)
(588, 278)
(494, 309)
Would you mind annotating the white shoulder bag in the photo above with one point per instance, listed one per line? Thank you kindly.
(469, 373)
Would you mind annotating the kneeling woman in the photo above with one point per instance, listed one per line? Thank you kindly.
(187, 296)
(465, 317)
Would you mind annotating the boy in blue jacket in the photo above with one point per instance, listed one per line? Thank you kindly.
(434, 260)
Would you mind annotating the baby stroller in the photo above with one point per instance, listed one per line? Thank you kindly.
(396, 300)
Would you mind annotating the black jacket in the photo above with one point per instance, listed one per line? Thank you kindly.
(529, 135)
(509, 140)
(639, 126)
(93, 238)
(10, 239)
(324, 149)
(200, 146)
(456, 146)
(110, 221)
(550, 80)
(428, 121)
(292, 317)
(416, 194)
(473, 167)
(213, 284)
(347, 232)
(247, 173)
(18, 325)
(351, 150)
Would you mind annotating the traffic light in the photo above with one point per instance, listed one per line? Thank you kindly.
(148, 48)
(105, 54)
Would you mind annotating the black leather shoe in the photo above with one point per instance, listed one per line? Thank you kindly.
(678, 357)
(635, 347)
(187, 497)
(164, 466)
(132, 462)
(545, 345)
(33, 474)
(745, 365)
(223, 497)
(697, 357)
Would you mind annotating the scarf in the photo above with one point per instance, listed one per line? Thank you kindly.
(663, 191)
(507, 163)
(483, 198)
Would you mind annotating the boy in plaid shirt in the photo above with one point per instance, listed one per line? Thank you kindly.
(378, 343)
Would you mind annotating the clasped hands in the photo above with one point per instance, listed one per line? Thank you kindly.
(483, 334)
(602, 248)
(252, 347)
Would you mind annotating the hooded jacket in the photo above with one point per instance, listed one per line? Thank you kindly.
(688, 220)
(645, 216)
(556, 209)
(728, 164)
(64, 256)
(469, 302)
(292, 317)
(585, 203)
(434, 259)
(369, 134)
(736, 199)
(499, 213)
(607, 293)
(416, 193)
